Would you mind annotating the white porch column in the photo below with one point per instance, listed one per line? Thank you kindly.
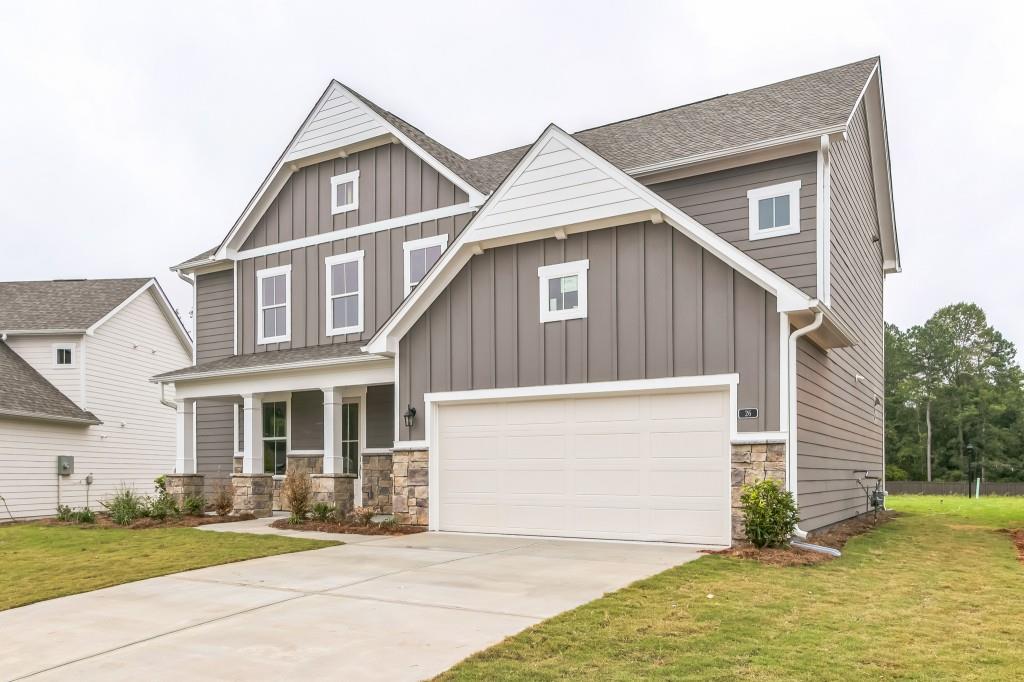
(334, 460)
(185, 441)
(252, 434)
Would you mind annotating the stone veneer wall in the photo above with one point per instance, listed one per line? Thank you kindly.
(377, 469)
(409, 485)
(752, 463)
(253, 493)
(336, 490)
(180, 486)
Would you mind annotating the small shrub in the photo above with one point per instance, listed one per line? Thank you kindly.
(84, 515)
(126, 507)
(298, 494)
(322, 511)
(223, 499)
(360, 516)
(193, 505)
(65, 513)
(769, 514)
(163, 508)
(160, 484)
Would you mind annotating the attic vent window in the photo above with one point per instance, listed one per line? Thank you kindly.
(64, 356)
(563, 291)
(344, 192)
(774, 210)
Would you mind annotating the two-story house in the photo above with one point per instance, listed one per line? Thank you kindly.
(76, 357)
(600, 335)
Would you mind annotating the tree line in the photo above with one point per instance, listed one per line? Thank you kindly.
(951, 383)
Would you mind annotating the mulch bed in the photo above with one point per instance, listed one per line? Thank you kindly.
(1018, 541)
(104, 521)
(834, 536)
(342, 527)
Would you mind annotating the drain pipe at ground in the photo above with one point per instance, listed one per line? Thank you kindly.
(791, 461)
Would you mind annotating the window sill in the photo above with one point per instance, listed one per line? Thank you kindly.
(774, 232)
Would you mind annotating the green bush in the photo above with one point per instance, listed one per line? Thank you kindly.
(85, 515)
(322, 511)
(194, 505)
(769, 514)
(160, 484)
(126, 507)
(163, 508)
(65, 513)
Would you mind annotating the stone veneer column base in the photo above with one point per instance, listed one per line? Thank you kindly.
(254, 494)
(180, 486)
(377, 470)
(409, 486)
(752, 463)
(337, 490)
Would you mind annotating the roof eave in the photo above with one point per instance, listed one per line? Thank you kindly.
(22, 414)
(308, 364)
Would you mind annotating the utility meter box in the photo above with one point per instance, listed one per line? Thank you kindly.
(65, 465)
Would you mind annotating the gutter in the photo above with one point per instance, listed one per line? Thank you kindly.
(791, 451)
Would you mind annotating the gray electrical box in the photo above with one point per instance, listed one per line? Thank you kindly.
(65, 465)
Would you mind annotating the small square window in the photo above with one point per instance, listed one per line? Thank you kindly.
(563, 291)
(344, 193)
(420, 256)
(775, 210)
(64, 356)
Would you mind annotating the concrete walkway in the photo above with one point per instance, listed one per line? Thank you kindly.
(380, 608)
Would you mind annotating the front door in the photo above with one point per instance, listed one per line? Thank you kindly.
(275, 437)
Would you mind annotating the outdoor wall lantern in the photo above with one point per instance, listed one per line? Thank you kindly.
(409, 416)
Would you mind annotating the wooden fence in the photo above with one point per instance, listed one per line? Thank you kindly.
(951, 488)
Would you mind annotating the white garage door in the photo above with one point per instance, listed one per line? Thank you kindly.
(629, 467)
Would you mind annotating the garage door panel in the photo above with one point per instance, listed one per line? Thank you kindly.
(633, 467)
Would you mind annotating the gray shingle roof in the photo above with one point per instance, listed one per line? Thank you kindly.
(269, 360)
(24, 392)
(789, 108)
(61, 304)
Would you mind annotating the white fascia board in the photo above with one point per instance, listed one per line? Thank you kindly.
(288, 162)
(788, 296)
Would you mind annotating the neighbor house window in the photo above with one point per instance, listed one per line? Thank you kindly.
(64, 355)
(345, 293)
(275, 437)
(344, 192)
(420, 256)
(775, 210)
(274, 291)
(563, 291)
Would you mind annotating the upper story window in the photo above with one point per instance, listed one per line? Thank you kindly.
(274, 289)
(344, 192)
(63, 355)
(345, 293)
(563, 291)
(775, 210)
(420, 256)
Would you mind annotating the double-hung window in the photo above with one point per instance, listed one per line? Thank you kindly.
(345, 293)
(420, 256)
(563, 291)
(275, 437)
(274, 290)
(344, 192)
(774, 211)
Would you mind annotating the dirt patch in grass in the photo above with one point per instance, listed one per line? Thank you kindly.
(343, 527)
(1018, 541)
(103, 521)
(834, 536)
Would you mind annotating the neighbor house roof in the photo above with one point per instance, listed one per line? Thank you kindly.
(24, 392)
(334, 353)
(63, 304)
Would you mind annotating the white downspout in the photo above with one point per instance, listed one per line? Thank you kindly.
(791, 451)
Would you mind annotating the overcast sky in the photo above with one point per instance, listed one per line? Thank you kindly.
(132, 134)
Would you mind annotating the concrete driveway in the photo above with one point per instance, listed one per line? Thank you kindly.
(393, 608)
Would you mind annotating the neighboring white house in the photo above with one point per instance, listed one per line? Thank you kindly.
(75, 361)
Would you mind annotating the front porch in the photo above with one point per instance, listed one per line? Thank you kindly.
(249, 428)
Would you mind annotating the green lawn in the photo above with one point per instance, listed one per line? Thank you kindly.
(936, 594)
(42, 562)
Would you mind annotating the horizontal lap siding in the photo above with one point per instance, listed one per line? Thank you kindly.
(393, 182)
(214, 340)
(839, 426)
(135, 442)
(719, 202)
(38, 352)
(658, 306)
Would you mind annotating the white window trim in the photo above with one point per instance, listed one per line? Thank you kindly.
(261, 275)
(64, 346)
(355, 256)
(755, 195)
(416, 244)
(549, 272)
(337, 180)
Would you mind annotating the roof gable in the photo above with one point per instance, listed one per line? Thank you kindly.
(61, 305)
(24, 392)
